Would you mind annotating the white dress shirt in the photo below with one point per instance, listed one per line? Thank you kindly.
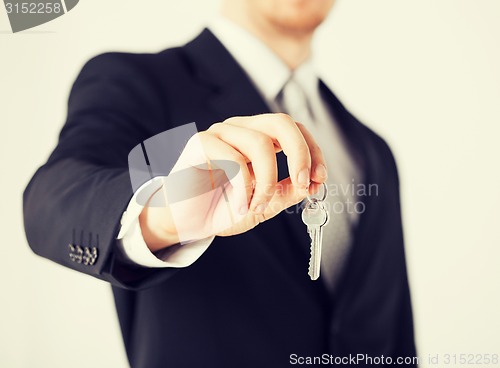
(268, 73)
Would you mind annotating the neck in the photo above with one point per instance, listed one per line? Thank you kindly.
(292, 47)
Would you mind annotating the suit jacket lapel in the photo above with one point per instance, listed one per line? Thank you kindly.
(233, 93)
(361, 140)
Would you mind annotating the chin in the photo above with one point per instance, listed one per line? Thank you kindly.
(299, 25)
(300, 16)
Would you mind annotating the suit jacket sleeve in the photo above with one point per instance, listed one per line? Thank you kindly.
(76, 200)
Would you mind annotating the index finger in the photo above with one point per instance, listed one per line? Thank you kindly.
(284, 130)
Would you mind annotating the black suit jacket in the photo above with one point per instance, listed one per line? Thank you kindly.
(248, 301)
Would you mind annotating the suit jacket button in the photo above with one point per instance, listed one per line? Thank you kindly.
(75, 253)
(95, 254)
(79, 254)
(72, 251)
(90, 256)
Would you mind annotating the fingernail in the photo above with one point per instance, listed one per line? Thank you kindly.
(303, 178)
(320, 171)
(260, 208)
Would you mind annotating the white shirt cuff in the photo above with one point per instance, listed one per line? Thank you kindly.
(132, 243)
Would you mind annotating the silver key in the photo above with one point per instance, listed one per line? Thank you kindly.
(315, 216)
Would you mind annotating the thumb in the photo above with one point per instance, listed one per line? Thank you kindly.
(286, 195)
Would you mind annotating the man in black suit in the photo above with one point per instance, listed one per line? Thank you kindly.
(230, 296)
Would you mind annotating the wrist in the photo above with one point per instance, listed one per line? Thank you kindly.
(154, 232)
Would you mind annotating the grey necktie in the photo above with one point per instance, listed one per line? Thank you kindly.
(337, 234)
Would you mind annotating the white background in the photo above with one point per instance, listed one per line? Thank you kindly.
(424, 74)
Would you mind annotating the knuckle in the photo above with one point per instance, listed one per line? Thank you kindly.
(236, 120)
(263, 141)
(215, 127)
(284, 118)
(200, 136)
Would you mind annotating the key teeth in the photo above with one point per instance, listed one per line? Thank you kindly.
(311, 268)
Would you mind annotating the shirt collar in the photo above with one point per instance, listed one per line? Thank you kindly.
(264, 68)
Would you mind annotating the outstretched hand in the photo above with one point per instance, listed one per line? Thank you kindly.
(226, 180)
